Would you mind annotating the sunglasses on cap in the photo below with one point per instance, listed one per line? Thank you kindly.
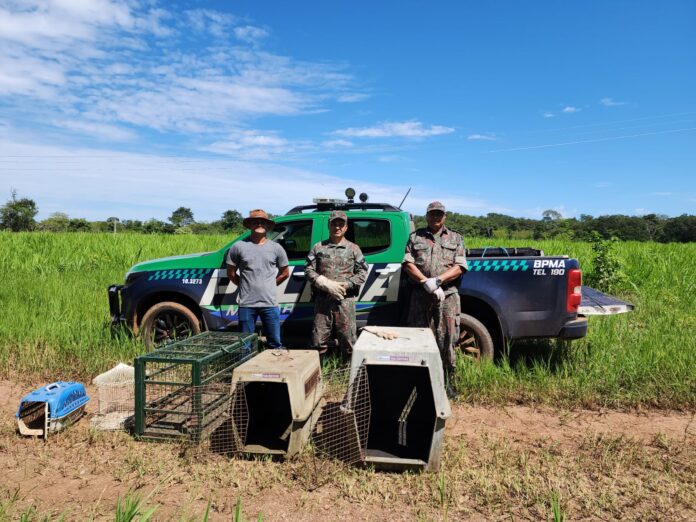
(259, 222)
(337, 223)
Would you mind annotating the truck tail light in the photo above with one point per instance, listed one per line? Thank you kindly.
(574, 294)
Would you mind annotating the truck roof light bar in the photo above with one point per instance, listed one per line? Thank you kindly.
(328, 206)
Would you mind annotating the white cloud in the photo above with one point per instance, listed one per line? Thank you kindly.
(549, 115)
(610, 102)
(193, 104)
(96, 184)
(217, 24)
(250, 34)
(40, 24)
(391, 158)
(25, 75)
(98, 130)
(132, 62)
(335, 144)
(352, 97)
(253, 144)
(407, 129)
(569, 109)
(484, 137)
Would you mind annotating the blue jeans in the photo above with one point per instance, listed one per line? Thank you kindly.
(270, 321)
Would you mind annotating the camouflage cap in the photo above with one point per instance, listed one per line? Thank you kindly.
(435, 205)
(337, 214)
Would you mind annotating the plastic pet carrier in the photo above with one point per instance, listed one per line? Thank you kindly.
(182, 390)
(275, 399)
(397, 396)
(51, 408)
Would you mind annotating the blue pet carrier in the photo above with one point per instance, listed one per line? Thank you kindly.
(51, 408)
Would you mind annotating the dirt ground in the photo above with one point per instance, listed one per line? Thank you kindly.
(506, 463)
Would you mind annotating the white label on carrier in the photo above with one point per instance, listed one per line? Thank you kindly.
(401, 358)
(266, 375)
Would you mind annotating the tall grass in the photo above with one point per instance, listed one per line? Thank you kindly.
(646, 357)
(55, 317)
(55, 321)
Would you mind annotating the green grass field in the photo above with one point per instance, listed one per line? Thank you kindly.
(55, 325)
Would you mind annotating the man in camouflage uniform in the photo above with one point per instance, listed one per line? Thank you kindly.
(336, 268)
(434, 261)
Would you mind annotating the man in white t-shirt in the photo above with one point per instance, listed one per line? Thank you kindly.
(262, 266)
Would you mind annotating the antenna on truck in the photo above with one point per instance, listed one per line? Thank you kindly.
(402, 201)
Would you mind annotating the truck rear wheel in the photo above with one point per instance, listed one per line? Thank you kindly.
(474, 338)
(168, 321)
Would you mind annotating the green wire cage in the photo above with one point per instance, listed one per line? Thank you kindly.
(183, 389)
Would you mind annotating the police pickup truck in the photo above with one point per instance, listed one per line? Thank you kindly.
(507, 294)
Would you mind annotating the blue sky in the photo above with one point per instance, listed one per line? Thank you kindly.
(133, 108)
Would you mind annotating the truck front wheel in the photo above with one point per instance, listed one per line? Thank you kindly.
(168, 321)
(474, 338)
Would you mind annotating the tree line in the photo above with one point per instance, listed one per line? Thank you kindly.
(650, 227)
(19, 214)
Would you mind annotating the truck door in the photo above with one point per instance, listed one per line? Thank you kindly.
(296, 238)
(378, 299)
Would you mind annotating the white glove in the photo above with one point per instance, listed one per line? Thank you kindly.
(440, 294)
(430, 285)
(333, 288)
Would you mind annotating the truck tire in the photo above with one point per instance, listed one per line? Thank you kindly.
(167, 321)
(474, 338)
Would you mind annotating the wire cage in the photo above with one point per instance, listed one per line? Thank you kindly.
(182, 390)
(400, 382)
(115, 398)
(344, 422)
(316, 449)
(273, 404)
(388, 410)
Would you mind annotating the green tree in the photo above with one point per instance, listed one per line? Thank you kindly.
(551, 215)
(56, 222)
(606, 274)
(132, 225)
(681, 229)
(113, 221)
(79, 225)
(181, 217)
(155, 226)
(654, 225)
(231, 220)
(18, 214)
